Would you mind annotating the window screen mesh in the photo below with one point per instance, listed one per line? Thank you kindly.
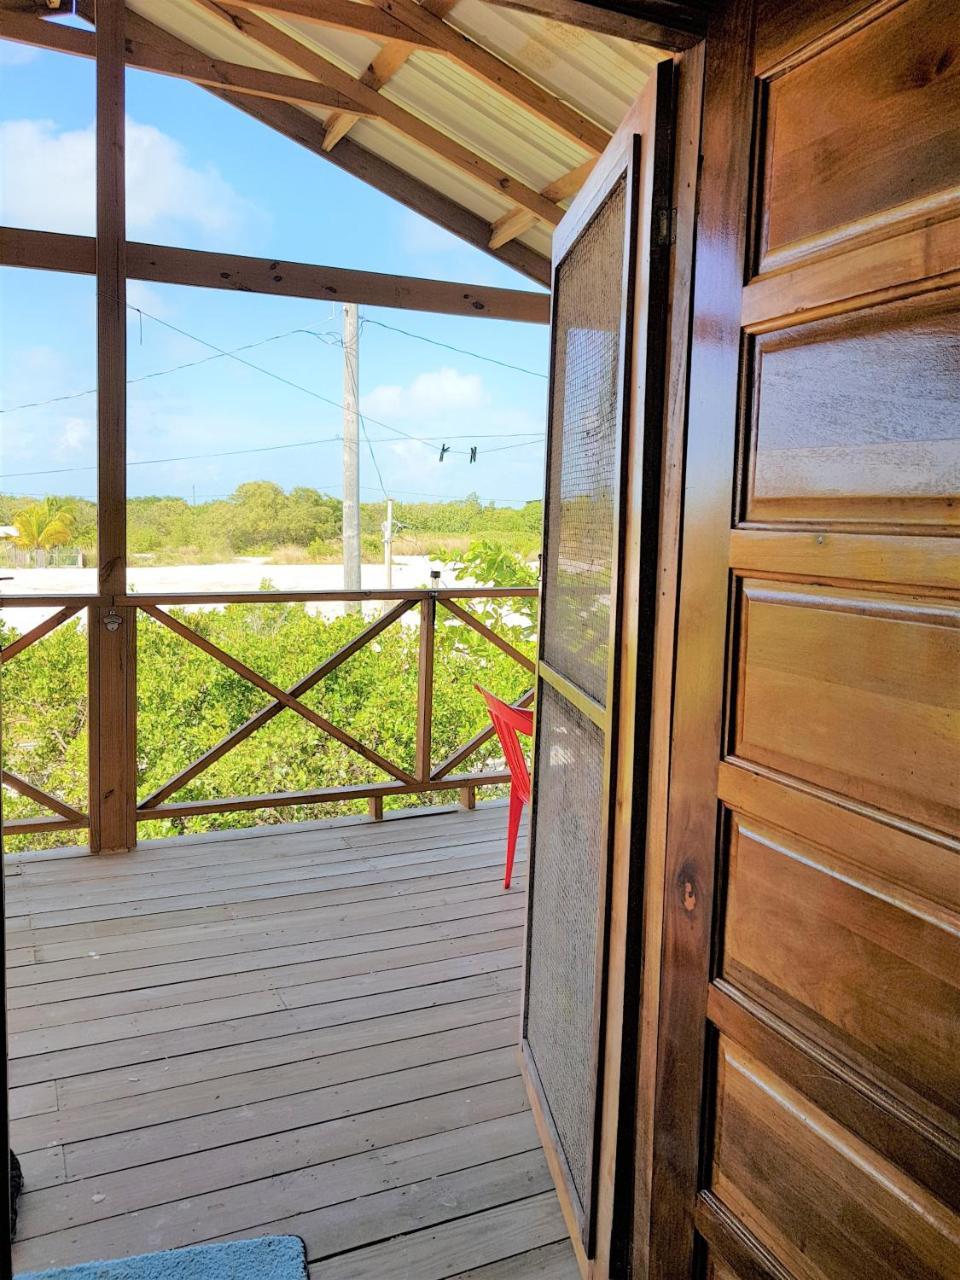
(563, 923)
(583, 450)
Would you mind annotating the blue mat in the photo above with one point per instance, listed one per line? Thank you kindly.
(268, 1258)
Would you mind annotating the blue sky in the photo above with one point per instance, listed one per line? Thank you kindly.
(205, 176)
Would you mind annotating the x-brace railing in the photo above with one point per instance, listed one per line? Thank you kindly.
(122, 611)
(68, 818)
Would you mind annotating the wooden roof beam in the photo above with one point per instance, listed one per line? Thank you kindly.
(380, 71)
(662, 24)
(264, 33)
(439, 37)
(162, 264)
(516, 221)
(344, 15)
(193, 66)
(306, 130)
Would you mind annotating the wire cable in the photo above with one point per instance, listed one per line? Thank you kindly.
(460, 351)
(159, 373)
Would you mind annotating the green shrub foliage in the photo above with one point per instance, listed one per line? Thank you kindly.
(187, 702)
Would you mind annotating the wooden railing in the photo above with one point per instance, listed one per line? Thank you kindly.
(122, 612)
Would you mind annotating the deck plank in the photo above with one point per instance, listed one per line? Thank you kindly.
(308, 1029)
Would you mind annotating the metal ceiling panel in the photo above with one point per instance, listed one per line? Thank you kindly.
(598, 75)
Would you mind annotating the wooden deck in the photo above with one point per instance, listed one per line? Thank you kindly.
(304, 1029)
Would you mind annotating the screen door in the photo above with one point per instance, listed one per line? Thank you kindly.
(594, 447)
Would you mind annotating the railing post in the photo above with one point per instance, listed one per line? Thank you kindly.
(375, 808)
(112, 720)
(428, 622)
(468, 797)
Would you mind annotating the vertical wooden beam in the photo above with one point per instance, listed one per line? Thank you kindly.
(375, 808)
(468, 797)
(428, 623)
(699, 662)
(112, 631)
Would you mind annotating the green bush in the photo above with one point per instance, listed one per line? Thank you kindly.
(187, 702)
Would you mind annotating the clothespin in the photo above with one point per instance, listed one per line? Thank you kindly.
(473, 453)
(444, 450)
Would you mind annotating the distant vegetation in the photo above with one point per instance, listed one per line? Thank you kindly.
(260, 519)
(187, 702)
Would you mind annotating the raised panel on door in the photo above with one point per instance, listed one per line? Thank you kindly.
(896, 459)
(862, 134)
(881, 986)
(849, 689)
(814, 1195)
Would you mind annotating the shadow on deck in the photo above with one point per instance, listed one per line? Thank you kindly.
(292, 1029)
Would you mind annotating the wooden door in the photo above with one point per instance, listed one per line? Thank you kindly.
(810, 996)
(610, 258)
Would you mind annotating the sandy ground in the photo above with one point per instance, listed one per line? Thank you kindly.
(245, 575)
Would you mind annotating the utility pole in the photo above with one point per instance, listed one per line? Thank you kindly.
(388, 544)
(351, 453)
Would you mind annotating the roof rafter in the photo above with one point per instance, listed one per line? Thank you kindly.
(516, 221)
(664, 24)
(436, 35)
(264, 33)
(345, 15)
(382, 69)
(193, 66)
(427, 19)
(306, 130)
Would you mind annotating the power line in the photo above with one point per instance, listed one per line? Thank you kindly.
(373, 456)
(461, 351)
(160, 373)
(233, 453)
(185, 457)
(222, 353)
(336, 404)
(446, 497)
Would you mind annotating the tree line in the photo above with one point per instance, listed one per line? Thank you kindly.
(261, 518)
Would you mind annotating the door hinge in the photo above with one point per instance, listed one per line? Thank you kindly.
(666, 227)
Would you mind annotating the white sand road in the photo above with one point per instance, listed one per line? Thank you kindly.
(241, 575)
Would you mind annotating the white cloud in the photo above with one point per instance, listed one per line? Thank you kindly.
(51, 172)
(76, 436)
(429, 395)
(16, 55)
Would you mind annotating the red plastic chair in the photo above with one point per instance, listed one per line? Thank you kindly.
(509, 722)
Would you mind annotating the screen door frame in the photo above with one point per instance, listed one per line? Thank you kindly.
(621, 161)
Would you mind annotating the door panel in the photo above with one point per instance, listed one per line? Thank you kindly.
(832, 1037)
(862, 133)
(844, 688)
(823, 1203)
(810, 463)
(806, 1118)
(885, 996)
(602, 491)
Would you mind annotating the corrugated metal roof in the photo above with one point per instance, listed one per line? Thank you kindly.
(597, 75)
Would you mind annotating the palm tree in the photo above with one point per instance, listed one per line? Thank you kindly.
(43, 525)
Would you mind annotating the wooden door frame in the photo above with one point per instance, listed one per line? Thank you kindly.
(679, 910)
(662, 876)
(655, 1000)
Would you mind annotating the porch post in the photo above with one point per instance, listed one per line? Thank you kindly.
(112, 630)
